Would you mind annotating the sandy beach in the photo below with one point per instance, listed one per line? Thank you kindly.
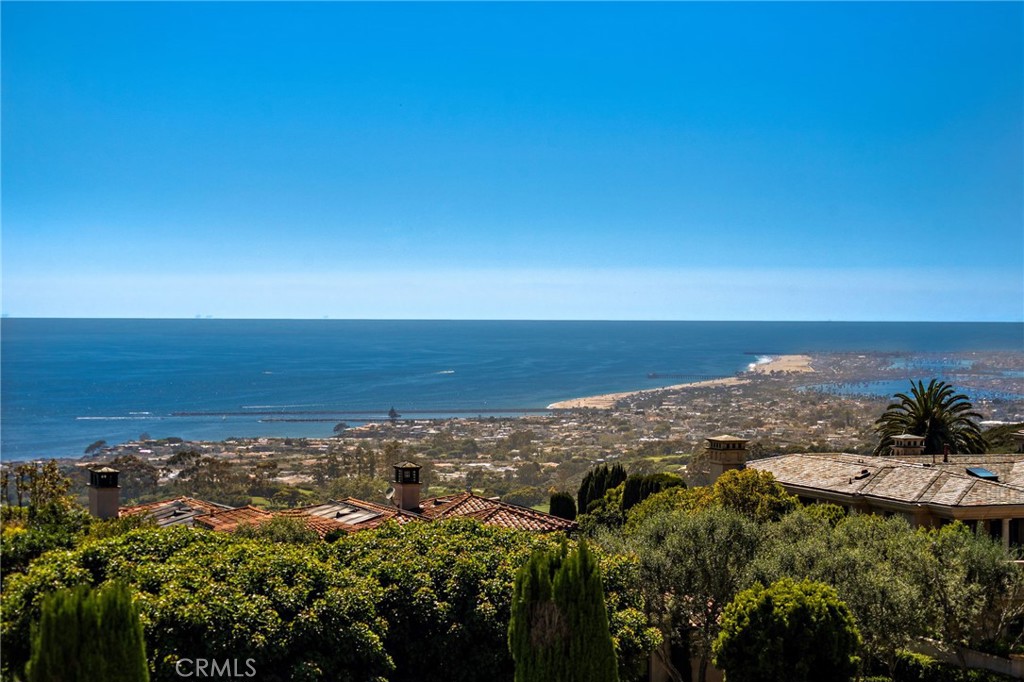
(786, 364)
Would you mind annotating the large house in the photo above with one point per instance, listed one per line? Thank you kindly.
(986, 492)
(345, 516)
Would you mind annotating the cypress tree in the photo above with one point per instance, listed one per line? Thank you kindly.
(586, 491)
(562, 505)
(639, 487)
(85, 634)
(559, 626)
(616, 476)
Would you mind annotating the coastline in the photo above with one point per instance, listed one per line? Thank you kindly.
(786, 364)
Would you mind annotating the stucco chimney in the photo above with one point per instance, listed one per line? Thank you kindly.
(725, 453)
(407, 486)
(104, 493)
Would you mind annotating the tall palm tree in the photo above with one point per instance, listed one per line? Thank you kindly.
(937, 412)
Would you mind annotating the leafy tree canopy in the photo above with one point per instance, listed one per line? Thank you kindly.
(796, 631)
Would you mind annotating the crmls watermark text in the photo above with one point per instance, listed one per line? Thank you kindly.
(211, 667)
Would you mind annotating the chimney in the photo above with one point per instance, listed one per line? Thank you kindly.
(104, 493)
(725, 453)
(407, 486)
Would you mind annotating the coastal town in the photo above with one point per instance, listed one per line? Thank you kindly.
(785, 404)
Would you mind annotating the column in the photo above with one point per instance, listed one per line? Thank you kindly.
(1006, 533)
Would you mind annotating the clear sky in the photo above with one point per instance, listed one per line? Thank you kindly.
(803, 161)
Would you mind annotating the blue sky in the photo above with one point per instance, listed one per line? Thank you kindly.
(804, 161)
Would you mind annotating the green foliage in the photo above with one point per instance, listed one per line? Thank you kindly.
(900, 583)
(208, 595)
(914, 667)
(796, 631)
(525, 497)
(596, 483)
(137, 478)
(279, 529)
(424, 602)
(605, 512)
(943, 417)
(972, 587)
(95, 446)
(692, 564)
(871, 561)
(86, 635)
(562, 505)
(830, 513)
(672, 499)
(359, 487)
(288, 496)
(558, 630)
(753, 493)
(38, 531)
(1001, 438)
(446, 594)
(109, 528)
(40, 485)
(639, 487)
(211, 478)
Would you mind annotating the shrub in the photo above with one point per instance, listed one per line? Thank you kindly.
(86, 635)
(559, 626)
(799, 632)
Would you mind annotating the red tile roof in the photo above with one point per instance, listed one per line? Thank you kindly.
(351, 514)
(229, 520)
(493, 513)
(318, 524)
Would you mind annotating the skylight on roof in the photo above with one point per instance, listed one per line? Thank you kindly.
(982, 473)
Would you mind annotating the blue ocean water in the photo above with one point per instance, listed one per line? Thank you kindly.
(67, 383)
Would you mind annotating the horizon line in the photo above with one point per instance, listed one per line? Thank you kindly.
(212, 318)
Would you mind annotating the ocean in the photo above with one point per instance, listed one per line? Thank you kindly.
(66, 383)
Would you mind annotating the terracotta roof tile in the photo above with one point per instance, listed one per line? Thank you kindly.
(230, 520)
(493, 513)
(351, 514)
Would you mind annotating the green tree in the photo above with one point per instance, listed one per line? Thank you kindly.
(639, 487)
(95, 447)
(87, 634)
(525, 496)
(211, 478)
(795, 631)
(936, 412)
(297, 613)
(871, 561)
(279, 529)
(138, 477)
(692, 564)
(289, 496)
(753, 493)
(596, 483)
(562, 505)
(972, 587)
(558, 631)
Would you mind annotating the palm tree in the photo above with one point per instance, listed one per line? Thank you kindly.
(937, 412)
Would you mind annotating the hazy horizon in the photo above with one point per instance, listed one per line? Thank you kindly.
(576, 161)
